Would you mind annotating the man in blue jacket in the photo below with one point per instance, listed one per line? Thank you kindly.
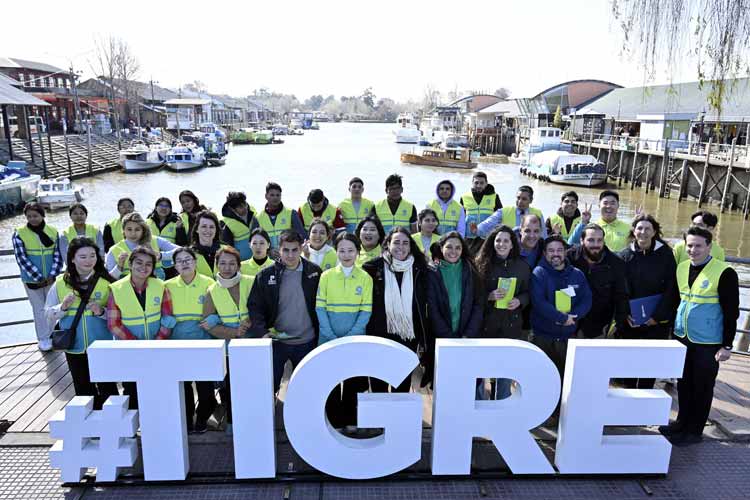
(560, 297)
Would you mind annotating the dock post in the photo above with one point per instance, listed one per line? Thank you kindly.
(729, 175)
(88, 146)
(591, 139)
(49, 137)
(41, 149)
(6, 128)
(743, 341)
(683, 181)
(635, 165)
(609, 153)
(702, 191)
(648, 173)
(619, 169)
(663, 177)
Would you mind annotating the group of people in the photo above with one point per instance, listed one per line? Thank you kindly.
(466, 268)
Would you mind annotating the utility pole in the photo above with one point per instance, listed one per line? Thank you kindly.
(76, 102)
(154, 121)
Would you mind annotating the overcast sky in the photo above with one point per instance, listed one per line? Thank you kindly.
(337, 47)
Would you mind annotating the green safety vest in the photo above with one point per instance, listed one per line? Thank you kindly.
(448, 219)
(122, 247)
(115, 226)
(187, 306)
(250, 268)
(351, 216)
(307, 214)
(169, 232)
(90, 327)
(391, 220)
(229, 314)
(42, 257)
(330, 259)
(241, 233)
(557, 219)
(417, 237)
(90, 232)
(680, 253)
(144, 324)
(368, 255)
(699, 315)
(283, 222)
(477, 213)
(509, 215)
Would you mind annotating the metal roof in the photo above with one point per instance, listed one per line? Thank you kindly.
(9, 81)
(12, 62)
(680, 98)
(11, 95)
(516, 107)
(187, 102)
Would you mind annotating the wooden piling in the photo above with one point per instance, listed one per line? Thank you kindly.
(729, 176)
(619, 169)
(663, 177)
(648, 173)
(635, 164)
(702, 191)
(683, 181)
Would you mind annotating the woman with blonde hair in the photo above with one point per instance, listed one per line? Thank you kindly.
(137, 233)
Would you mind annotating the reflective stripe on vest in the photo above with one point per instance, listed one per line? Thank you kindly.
(250, 268)
(448, 220)
(241, 234)
(283, 222)
(90, 327)
(42, 257)
(557, 219)
(307, 214)
(143, 324)
(391, 220)
(351, 216)
(169, 232)
(187, 305)
(477, 213)
(229, 314)
(509, 215)
(90, 232)
(122, 247)
(338, 293)
(699, 315)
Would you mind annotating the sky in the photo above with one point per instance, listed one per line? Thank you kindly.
(339, 47)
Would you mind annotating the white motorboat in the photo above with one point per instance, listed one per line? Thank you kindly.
(185, 156)
(140, 157)
(58, 193)
(562, 167)
(407, 131)
(17, 187)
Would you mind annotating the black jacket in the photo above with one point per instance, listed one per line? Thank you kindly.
(609, 290)
(227, 236)
(470, 322)
(263, 303)
(378, 325)
(651, 273)
(503, 323)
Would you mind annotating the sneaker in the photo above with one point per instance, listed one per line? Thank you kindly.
(228, 430)
(45, 345)
(200, 427)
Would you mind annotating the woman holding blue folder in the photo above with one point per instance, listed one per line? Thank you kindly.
(651, 277)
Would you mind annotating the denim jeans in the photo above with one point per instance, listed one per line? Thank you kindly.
(499, 389)
(292, 352)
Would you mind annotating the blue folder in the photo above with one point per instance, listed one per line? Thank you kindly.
(643, 308)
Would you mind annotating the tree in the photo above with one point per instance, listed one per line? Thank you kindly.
(105, 66)
(431, 97)
(660, 31)
(127, 68)
(502, 93)
(368, 97)
(196, 86)
(314, 102)
(557, 120)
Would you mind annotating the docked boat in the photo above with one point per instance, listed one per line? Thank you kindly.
(407, 131)
(140, 157)
(58, 193)
(215, 150)
(185, 156)
(454, 140)
(314, 126)
(17, 187)
(562, 167)
(280, 129)
(439, 157)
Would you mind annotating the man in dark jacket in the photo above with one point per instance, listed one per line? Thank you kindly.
(560, 298)
(289, 286)
(605, 273)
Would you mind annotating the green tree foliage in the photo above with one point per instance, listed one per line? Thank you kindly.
(557, 120)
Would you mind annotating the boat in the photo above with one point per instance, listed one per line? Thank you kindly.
(185, 156)
(296, 123)
(17, 187)
(140, 157)
(454, 140)
(562, 167)
(314, 126)
(215, 150)
(441, 157)
(58, 193)
(407, 131)
(280, 129)
(545, 139)
(252, 136)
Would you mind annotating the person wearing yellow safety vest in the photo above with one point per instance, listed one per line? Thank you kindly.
(78, 214)
(112, 232)
(427, 221)
(343, 306)
(37, 250)
(137, 233)
(205, 242)
(85, 276)
(394, 211)
(237, 220)
(450, 213)
(567, 217)
(513, 215)
(316, 249)
(371, 234)
(479, 203)
(139, 307)
(276, 218)
(189, 291)
(706, 323)
(707, 221)
(355, 208)
(260, 242)
(650, 273)
(191, 207)
(225, 314)
(318, 206)
(164, 223)
(616, 231)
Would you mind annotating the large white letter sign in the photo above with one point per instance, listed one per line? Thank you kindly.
(253, 399)
(159, 367)
(319, 444)
(458, 416)
(588, 404)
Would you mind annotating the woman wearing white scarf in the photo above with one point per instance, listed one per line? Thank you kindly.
(399, 309)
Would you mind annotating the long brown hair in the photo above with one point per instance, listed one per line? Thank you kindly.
(71, 277)
(487, 251)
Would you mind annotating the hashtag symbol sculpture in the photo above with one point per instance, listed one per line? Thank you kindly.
(103, 439)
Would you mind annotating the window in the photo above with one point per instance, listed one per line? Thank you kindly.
(32, 81)
(67, 82)
(22, 79)
(60, 82)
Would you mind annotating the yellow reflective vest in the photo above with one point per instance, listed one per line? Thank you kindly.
(250, 268)
(283, 222)
(448, 220)
(187, 306)
(42, 257)
(230, 314)
(557, 219)
(90, 328)
(417, 237)
(699, 315)
(477, 213)
(144, 324)
(351, 216)
(307, 214)
(400, 218)
(509, 215)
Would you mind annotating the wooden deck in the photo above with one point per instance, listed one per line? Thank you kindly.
(35, 385)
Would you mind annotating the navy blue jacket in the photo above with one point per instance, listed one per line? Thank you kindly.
(440, 309)
(545, 281)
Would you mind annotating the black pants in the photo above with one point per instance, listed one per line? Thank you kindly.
(555, 349)
(225, 394)
(206, 402)
(695, 390)
(78, 364)
(654, 332)
(130, 389)
(378, 385)
(341, 406)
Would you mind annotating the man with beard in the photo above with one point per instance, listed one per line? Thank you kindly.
(605, 273)
(479, 203)
(567, 217)
(560, 298)
(616, 231)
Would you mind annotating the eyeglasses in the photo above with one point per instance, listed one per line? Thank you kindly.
(163, 205)
(184, 262)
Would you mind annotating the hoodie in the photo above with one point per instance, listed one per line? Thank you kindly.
(451, 209)
(545, 281)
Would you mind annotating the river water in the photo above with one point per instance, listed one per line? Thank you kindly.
(328, 158)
